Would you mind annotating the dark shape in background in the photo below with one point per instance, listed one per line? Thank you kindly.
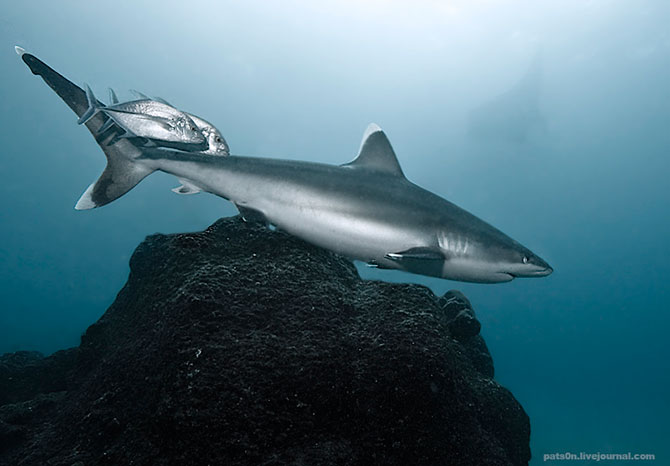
(513, 116)
(241, 345)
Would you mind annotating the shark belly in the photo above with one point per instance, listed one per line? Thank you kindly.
(355, 236)
(331, 207)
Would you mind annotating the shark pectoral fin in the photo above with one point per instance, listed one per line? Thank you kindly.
(421, 260)
(251, 215)
(186, 188)
(420, 253)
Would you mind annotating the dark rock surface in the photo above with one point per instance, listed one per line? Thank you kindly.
(25, 374)
(239, 345)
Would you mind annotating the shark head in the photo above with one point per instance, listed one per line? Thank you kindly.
(525, 264)
(508, 260)
(486, 255)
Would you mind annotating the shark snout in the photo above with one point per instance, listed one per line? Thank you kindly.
(544, 269)
(532, 266)
(540, 272)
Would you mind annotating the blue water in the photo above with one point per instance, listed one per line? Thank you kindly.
(573, 162)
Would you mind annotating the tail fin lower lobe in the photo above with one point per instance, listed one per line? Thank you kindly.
(122, 172)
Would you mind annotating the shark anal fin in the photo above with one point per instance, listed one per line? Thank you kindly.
(422, 260)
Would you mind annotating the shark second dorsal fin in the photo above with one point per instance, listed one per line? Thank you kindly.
(376, 153)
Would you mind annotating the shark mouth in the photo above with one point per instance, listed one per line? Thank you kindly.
(535, 273)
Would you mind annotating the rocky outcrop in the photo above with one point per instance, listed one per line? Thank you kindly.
(241, 345)
(25, 374)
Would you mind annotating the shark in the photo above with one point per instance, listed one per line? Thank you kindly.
(365, 209)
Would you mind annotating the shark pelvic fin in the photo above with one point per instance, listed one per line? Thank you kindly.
(376, 153)
(186, 187)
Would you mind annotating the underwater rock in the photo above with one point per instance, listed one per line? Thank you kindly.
(463, 325)
(240, 345)
(459, 315)
(25, 374)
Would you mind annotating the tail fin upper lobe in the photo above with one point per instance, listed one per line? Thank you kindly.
(122, 172)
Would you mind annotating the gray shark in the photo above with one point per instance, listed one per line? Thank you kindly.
(365, 209)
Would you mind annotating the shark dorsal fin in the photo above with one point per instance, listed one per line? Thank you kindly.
(376, 153)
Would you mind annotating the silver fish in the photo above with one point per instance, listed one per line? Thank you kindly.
(217, 144)
(217, 147)
(145, 118)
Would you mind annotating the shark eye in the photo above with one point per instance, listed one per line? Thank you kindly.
(525, 259)
(218, 139)
(193, 128)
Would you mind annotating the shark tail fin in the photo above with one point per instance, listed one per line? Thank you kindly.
(93, 106)
(120, 176)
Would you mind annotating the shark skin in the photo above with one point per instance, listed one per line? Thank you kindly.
(366, 209)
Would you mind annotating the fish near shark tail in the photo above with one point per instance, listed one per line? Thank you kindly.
(123, 170)
(122, 173)
(93, 106)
